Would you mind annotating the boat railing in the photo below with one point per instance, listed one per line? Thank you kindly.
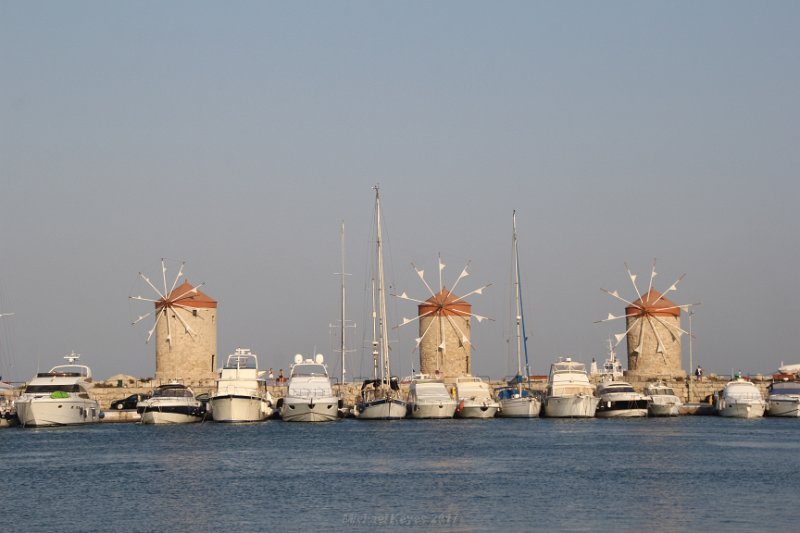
(306, 392)
(744, 397)
(237, 391)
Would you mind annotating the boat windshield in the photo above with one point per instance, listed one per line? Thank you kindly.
(618, 388)
(241, 361)
(431, 390)
(567, 366)
(36, 389)
(309, 370)
(173, 392)
(663, 391)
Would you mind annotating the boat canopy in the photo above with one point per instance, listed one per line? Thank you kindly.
(510, 393)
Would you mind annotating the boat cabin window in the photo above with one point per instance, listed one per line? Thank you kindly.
(35, 389)
(309, 370)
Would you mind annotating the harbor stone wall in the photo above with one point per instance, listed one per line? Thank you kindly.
(700, 389)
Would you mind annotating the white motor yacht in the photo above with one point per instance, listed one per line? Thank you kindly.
(663, 401)
(618, 399)
(241, 394)
(569, 393)
(59, 397)
(783, 399)
(741, 399)
(475, 399)
(310, 397)
(428, 398)
(173, 403)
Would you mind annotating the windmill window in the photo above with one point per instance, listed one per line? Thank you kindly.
(194, 312)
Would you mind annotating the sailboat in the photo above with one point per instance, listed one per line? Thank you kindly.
(516, 400)
(380, 397)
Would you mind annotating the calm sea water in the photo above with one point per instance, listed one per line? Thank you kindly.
(680, 474)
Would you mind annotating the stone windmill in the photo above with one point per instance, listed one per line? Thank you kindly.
(653, 329)
(444, 327)
(185, 327)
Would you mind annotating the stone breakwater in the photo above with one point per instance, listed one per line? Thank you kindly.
(688, 390)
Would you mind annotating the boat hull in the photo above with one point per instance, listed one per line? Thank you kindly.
(743, 410)
(783, 407)
(621, 413)
(382, 409)
(46, 411)
(664, 409)
(477, 410)
(526, 407)
(305, 410)
(578, 406)
(171, 414)
(437, 409)
(233, 408)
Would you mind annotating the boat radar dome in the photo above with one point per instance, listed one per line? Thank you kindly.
(298, 359)
(319, 358)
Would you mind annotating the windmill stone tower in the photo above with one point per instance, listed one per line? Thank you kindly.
(444, 329)
(654, 347)
(186, 343)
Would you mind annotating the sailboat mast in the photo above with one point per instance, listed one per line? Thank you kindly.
(383, 327)
(522, 338)
(343, 310)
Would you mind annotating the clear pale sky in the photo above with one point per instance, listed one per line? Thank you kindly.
(237, 136)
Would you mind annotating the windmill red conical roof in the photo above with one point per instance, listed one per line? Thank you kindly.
(444, 303)
(183, 295)
(653, 303)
